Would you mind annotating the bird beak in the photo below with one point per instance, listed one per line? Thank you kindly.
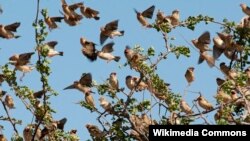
(69, 87)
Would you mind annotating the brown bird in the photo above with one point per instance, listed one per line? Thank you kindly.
(132, 83)
(51, 21)
(94, 131)
(21, 59)
(189, 75)
(89, 12)
(69, 10)
(129, 53)
(105, 53)
(202, 42)
(105, 104)
(88, 49)
(28, 133)
(2, 138)
(219, 47)
(89, 99)
(113, 81)
(9, 102)
(39, 94)
(50, 46)
(209, 59)
(174, 18)
(244, 22)
(245, 9)
(227, 39)
(110, 31)
(234, 95)
(84, 84)
(204, 103)
(141, 16)
(7, 30)
(71, 21)
(185, 107)
(221, 96)
(160, 17)
(224, 68)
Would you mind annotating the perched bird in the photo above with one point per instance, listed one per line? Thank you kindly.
(84, 84)
(189, 75)
(221, 96)
(204, 103)
(69, 10)
(2, 137)
(133, 83)
(113, 81)
(89, 12)
(89, 99)
(160, 17)
(94, 131)
(245, 9)
(130, 82)
(50, 46)
(51, 21)
(219, 47)
(105, 53)
(141, 16)
(88, 49)
(234, 95)
(7, 30)
(244, 22)
(174, 18)
(224, 68)
(73, 135)
(105, 104)
(202, 42)
(185, 107)
(21, 59)
(129, 53)
(209, 59)
(28, 133)
(110, 31)
(61, 123)
(9, 102)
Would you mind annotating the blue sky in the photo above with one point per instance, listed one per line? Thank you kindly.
(68, 68)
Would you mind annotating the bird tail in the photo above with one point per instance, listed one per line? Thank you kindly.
(61, 53)
(122, 32)
(96, 18)
(117, 58)
(136, 11)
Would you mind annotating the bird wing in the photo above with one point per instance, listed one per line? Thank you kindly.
(57, 19)
(86, 79)
(103, 38)
(149, 12)
(12, 27)
(108, 48)
(75, 6)
(204, 38)
(52, 44)
(112, 25)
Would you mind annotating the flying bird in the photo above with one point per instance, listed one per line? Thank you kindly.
(84, 84)
(21, 59)
(105, 53)
(89, 12)
(69, 10)
(209, 59)
(219, 47)
(189, 75)
(51, 49)
(202, 42)
(245, 9)
(88, 49)
(110, 31)
(6, 31)
(141, 16)
(51, 21)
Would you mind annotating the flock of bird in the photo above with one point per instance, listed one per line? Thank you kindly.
(223, 44)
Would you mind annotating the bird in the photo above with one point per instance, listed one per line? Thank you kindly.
(94, 131)
(28, 132)
(219, 81)
(221, 96)
(209, 59)
(189, 75)
(89, 12)
(2, 137)
(219, 47)
(61, 123)
(202, 42)
(89, 99)
(50, 46)
(204, 103)
(84, 84)
(129, 53)
(244, 22)
(185, 107)
(6, 31)
(71, 21)
(224, 68)
(141, 16)
(227, 39)
(51, 21)
(174, 18)
(245, 9)
(21, 59)
(132, 82)
(113, 81)
(110, 31)
(105, 104)
(105, 53)
(9, 102)
(69, 10)
(88, 49)
(39, 94)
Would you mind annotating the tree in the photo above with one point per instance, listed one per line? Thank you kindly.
(121, 115)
